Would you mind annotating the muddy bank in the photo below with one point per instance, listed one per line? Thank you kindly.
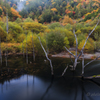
(86, 56)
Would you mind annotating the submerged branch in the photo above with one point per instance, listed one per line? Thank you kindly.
(71, 59)
(47, 56)
(65, 70)
(92, 61)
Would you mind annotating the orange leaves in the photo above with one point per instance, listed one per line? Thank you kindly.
(54, 9)
(75, 0)
(67, 11)
(88, 21)
(27, 2)
(15, 12)
(95, 4)
(1, 8)
(98, 1)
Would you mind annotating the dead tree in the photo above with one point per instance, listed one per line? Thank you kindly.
(46, 54)
(81, 52)
(6, 53)
(33, 48)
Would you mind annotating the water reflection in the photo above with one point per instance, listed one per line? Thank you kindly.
(17, 84)
(48, 88)
(29, 87)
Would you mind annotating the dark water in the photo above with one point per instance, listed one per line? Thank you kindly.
(34, 81)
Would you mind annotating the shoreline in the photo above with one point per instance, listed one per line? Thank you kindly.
(62, 55)
(86, 55)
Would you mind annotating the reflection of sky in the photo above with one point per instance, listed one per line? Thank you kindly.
(29, 87)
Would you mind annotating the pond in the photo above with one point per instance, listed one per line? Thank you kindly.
(33, 81)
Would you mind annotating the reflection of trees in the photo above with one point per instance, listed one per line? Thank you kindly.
(48, 88)
(76, 83)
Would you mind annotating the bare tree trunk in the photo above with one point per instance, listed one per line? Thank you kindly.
(26, 50)
(33, 48)
(23, 47)
(64, 70)
(6, 54)
(82, 64)
(0, 52)
(47, 57)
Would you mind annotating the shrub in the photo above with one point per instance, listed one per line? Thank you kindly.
(88, 47)
(54, 25)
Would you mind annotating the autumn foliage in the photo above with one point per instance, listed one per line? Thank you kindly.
(15, 12)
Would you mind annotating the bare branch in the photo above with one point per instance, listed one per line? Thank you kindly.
(87, 38)
(91, 61)
(65, 70)
(71, 59)
(82, 63)
(70, 52)
(33, 48)
(47, 56)
(7, 22)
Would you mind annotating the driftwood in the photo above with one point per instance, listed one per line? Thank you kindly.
(92, 61)
(46, 54)
(65, 70)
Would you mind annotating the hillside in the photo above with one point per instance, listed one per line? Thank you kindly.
(50, 10)
(55, 10)
(52, 20)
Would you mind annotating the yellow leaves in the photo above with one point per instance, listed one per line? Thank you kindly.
(67, 11)
(88, 21)
(34, 26)
(95, 4)
(89, 45)
(78, 32)
(15, 12)
(75, 0)
(53, 3)
(87, 14)
(51, 0)
(27, 2)
(1, 8)
(54, 9)
(78, 5)
(0, 19)
(40, 7)
(68, 5)
(98, 1)
(67, 20)
(47, 30)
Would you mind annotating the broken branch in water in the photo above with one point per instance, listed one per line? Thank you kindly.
(64, 70)
(91, 61)
(47, 56)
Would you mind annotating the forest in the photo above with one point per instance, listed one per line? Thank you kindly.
(53, 21)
